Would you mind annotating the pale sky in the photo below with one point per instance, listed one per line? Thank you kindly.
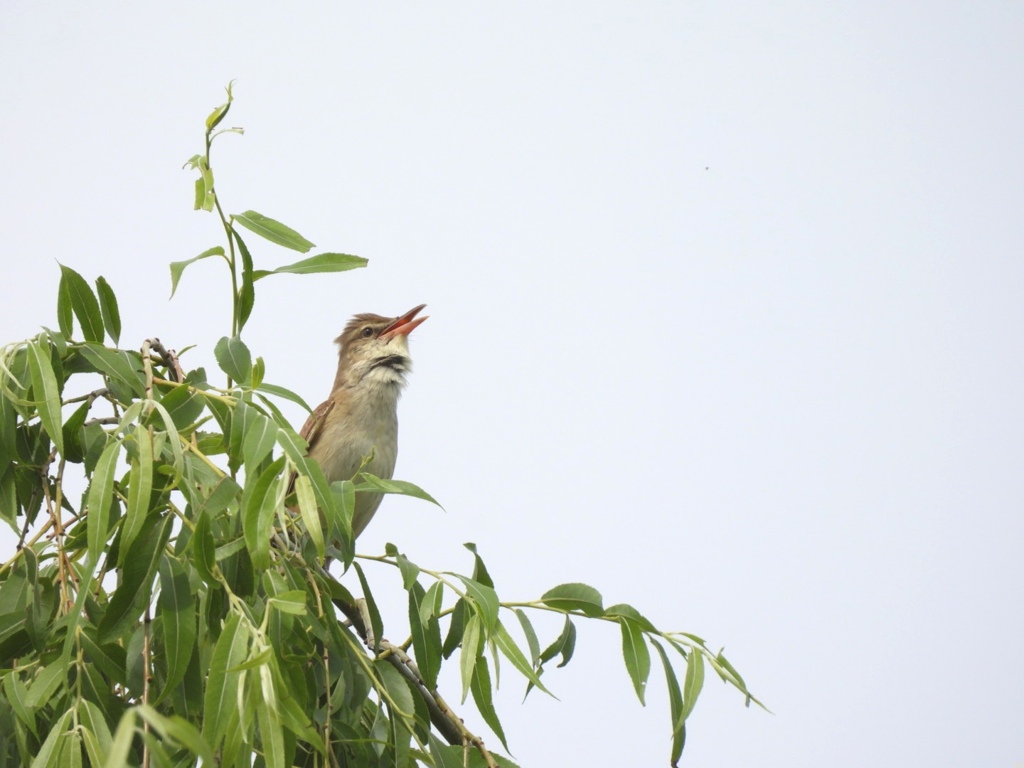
(726, 318)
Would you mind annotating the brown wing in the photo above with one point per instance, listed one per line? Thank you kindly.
(311, 429)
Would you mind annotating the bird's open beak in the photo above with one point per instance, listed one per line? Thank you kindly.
(404, 325)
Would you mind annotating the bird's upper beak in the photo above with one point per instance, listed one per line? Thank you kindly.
(403, 325)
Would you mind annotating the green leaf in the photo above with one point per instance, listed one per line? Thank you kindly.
(258, 440)
(108, 309)
(132, 595)
(482, 697)
(271, 735)
(409, 570)
(177, 267)
(246, 293)
(117, 365)
(399, 487)
(564, 644)
(272, 230)
(322, 262)
(65, 318)
(484, 598)
(260, 504)
(46, 684)
(675, 699)
(49, 753)
(479, 569)
(101, 741)
(426, 638)
(223, 679)
(234, 358)
(140, 490)
(623, 609)
(692, 683)
(117, 757)
(177, 730)
(45, 391)
(214, 118)
(292, 602)
(531, 635)
(511, 651)
(287, 394)
(376, 623)
(177, 612)
(84, 304)
(101, 490)
(16, 693)
(472, 639)
(636, 655)
(308, 510)
(574, 597)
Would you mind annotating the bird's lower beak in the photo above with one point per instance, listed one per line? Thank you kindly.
(404, 325)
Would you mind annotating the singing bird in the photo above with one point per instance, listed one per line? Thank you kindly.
(360, 417)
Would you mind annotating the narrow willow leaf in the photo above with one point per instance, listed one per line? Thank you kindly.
(45, 391)
(430, 607)
(483, 698)
(16, 693)
(426, 638)
(271, 735)
(287, 394)
(409, 570)
(205, 549)
(46, 684)
(132, 595)
(623, 609)
(140, 490)
(310, 517)
(92, 718)
(564, 644)
(258, 440)
(322, 262)
(456, 627)
(214, 118)
(177, 267)
(531, 635)
(675, 699)
(65, 318)
(84, 304)
(472, 638)
(176, 609)
(118, 755)
(258, 514)
(108, 309)
(234, 358)
(574, 597)
(399, 487)
(272, 230)
(49, 754)
(376, 623)
(636, 655)
(479, 569)
(101, 490)
(120, 366)
(692, 683)
(485, 599)
(291, 602)
(503, 640)
(223, 680)
(177, 729)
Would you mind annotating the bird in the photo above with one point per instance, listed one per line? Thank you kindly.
(359, 419)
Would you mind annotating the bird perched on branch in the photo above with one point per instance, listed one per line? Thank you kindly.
(359, 419)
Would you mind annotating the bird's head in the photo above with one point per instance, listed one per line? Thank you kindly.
(375, 349)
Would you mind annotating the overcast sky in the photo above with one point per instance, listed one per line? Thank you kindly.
(726, 318)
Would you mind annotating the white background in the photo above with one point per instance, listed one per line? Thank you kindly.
(726, 318)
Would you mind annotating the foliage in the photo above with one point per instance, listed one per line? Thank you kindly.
(180, 608)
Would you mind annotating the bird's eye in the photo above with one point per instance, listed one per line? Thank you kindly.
(367, 332)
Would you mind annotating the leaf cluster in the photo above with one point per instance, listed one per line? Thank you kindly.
(181, 607)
